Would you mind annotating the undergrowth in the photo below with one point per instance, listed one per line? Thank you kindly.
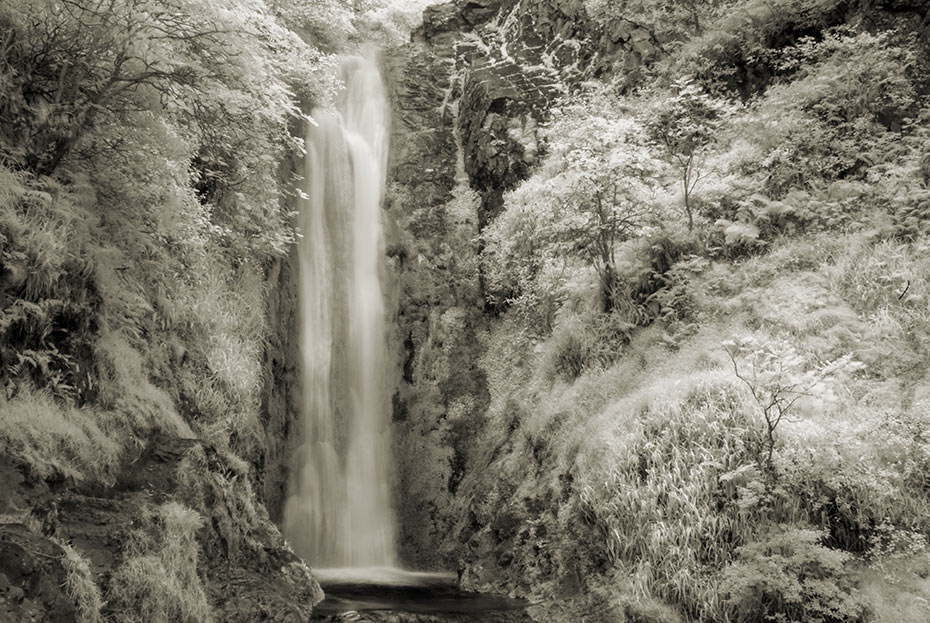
(54, 439)
(158, 580)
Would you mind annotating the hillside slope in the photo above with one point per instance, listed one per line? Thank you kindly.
(686, 376)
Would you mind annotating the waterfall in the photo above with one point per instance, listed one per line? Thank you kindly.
(338, 512)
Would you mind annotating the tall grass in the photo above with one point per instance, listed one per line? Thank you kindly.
(81, 587)
(225, 329)
(51, 438)
(659, 484)
(889, 283)
(124, 386)
(158, 581)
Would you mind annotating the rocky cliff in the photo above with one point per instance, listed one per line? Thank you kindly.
(468, 94)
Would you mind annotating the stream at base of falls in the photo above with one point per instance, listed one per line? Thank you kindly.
(389, 595)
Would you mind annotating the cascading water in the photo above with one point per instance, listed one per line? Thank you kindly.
(338, 513)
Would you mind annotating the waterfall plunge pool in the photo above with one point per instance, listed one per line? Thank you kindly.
(394, 592)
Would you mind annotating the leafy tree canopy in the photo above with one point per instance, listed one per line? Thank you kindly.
(596, 188)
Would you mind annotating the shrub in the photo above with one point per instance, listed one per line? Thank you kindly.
(676, 298)
(827, 124)
(788, 577)
(596, 189)
(735, 53)
(777, 377)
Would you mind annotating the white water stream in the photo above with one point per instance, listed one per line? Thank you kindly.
(338, 513)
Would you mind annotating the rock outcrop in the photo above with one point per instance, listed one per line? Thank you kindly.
(280, 409)
(469, 94)
(32, 578)
(246, 570)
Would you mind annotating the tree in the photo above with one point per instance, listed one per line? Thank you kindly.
(777, 379)
(686, 125)
(595, 189)
(71, 65)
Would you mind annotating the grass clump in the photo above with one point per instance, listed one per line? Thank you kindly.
(81, 587)
(587, 341)
(54, 438)
(654, 491)
(158, 581)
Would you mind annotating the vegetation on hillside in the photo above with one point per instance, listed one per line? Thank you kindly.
(708, 382)
(146, 158)
(708, 389)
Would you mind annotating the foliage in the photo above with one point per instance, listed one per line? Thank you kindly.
(826, 123)
(788, 577)
(69, 66)
(158, 580)
(142, 201)
(326, 24)
(595, 189)
(738, 52)
(630, 470)
(880, 88)
(676, 299)
(389, 23)
(777, 378)
(686, 124)
(886, 283)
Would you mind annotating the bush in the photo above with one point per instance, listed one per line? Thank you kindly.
(736, 52)
(789, 577)
(827, 124)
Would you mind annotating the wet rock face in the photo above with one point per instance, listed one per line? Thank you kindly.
(280, 410)
(500, 109)
(468, 95)
(421, 237)
(389, 616)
